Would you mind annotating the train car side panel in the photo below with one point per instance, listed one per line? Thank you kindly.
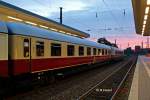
(49, 62)
(3, 55)
(20, 54)
(58, 63)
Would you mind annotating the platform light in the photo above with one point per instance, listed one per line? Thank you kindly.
(143, 26)
(17, 19)
(68, 33)
(82, 37)
(62, 32)
(148, 2)
(53, 29)
(30, 23)
(145, 17)
(75, 35)
(144, 22)
(146, 10)
(44, 26)
(143, 29)
(142, 33)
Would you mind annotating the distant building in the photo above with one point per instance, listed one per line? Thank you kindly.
(137, 49)
(145, 51)
(128, 51)
(141, 51)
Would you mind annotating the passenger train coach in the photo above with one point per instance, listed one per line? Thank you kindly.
(27, 50)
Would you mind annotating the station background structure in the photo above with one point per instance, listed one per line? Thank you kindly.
(12, 13)
(141, 10)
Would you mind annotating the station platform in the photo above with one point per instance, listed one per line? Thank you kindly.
(140, 89)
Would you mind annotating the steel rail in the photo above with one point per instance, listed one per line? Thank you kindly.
(113, 96)
(90, 90)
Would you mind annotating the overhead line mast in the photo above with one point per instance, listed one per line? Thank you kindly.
(61, 15)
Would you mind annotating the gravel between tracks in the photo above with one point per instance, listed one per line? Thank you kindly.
(69, 88)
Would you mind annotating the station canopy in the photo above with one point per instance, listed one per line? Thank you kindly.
(12, 13)
(141, 9)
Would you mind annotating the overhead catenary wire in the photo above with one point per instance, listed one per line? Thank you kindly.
(100, 18)
(43, 4)
(98, 14)
(111, 13)
(79, 22)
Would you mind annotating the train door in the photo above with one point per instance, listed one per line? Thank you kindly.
(27, 52)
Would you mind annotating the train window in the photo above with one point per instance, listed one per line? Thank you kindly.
(39, 48)
(94, 51)
(55, 49)
(106, 52)
(88, 51)
(70, 50)
(103, 52)
(81, 51)
(99, 51)
(26, 47)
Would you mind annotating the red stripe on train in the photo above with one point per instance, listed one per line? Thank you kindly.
(3, 68)
(102, 58)
(22, 66)
(56, 63)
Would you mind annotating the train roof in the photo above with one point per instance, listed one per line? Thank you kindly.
(11, 10)
(28, 30)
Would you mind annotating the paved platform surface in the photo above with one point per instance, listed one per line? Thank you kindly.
(140, 89)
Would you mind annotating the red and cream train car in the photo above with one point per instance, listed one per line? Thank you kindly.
(3, 50)
(27, 49)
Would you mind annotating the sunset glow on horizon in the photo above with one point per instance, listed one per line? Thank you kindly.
(124, 43)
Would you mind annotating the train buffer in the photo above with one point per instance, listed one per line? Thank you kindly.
(140, 89)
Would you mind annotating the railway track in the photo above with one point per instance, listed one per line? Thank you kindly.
(108, 88)
(75, 87)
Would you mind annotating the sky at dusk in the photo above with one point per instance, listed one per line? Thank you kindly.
(112, 19)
